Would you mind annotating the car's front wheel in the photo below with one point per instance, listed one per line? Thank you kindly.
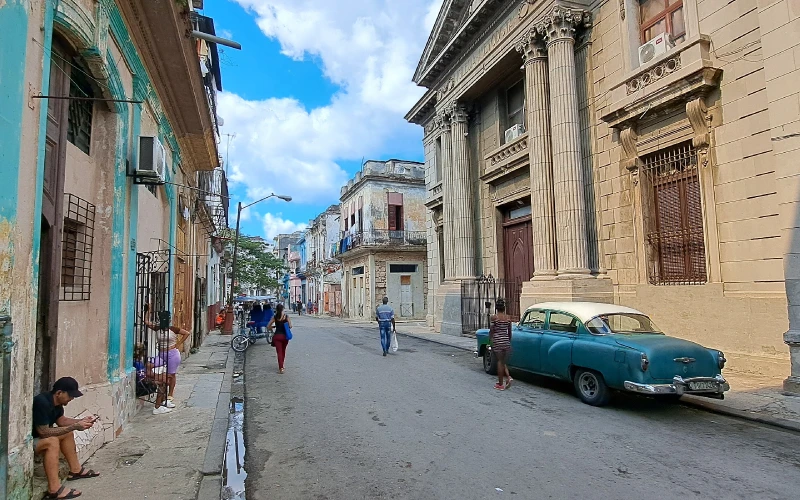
(489, 362)
(591, 387)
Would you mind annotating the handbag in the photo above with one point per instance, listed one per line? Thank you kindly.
(288, 331)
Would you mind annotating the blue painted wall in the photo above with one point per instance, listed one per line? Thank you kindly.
(14, 27)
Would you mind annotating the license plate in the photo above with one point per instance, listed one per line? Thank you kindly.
(703, 386)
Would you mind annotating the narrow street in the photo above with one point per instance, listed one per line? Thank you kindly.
(344, 422)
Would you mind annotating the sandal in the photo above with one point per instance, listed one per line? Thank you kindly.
(70, 494)
(83, 474)
(499, 386)
(508, 382)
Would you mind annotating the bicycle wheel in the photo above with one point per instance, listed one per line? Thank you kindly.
(240, 343)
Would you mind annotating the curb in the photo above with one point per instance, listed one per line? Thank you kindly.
(714, 407)
(211, 480)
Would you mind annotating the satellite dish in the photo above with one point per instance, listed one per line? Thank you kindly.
(220, 121)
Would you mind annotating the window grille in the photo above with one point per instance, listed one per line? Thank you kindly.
(77, 245)
(79, 123)
(675, 230)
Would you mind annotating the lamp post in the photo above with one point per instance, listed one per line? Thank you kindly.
(228, 327)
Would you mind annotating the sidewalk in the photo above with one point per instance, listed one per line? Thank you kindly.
(752, 398)
(177, 455)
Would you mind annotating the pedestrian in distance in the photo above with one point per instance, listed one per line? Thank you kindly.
(49, 441)
(299, 307)
(500, 335)
(280, 340)
(384, 314)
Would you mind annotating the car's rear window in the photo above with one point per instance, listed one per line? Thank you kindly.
(622, 323)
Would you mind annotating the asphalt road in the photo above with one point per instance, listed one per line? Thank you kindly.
(346, 423)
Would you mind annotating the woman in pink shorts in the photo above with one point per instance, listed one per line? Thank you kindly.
(170, 342)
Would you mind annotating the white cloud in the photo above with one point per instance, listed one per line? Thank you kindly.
(370, 49)
(275, 225)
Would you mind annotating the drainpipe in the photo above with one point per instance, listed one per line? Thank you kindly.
(7, 346)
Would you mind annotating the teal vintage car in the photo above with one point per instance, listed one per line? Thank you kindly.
(605, 347)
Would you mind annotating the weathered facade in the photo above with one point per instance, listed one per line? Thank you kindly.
(382, 242)
(84, 81)
(323, 271)
(600, 161)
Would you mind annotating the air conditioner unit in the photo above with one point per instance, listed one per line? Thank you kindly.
(152, 159)
(514, 132)
(654, 48)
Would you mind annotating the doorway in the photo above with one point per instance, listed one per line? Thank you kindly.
(52, 221)
(518, 244)
(406, 297)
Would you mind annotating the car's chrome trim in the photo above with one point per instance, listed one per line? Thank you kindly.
(679, 386)
(685, 360)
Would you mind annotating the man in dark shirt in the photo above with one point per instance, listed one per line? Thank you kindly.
(48, 441)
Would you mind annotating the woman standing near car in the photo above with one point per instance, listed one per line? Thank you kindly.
(500, 334)
(280, 321)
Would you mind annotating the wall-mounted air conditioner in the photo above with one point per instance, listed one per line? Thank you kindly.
(655, 48)
(152, 160)
(514, 132)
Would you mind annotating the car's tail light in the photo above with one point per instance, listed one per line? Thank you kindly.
(721, 360)
(645, 362)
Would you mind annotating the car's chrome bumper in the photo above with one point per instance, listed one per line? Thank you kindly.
(680, 386)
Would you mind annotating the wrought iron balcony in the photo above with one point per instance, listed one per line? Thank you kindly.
(213, 200)
(381, 238)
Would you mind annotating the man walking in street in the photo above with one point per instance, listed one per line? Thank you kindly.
(385, 316)
(49, 441)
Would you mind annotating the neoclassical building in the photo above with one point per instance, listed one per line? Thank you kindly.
(628, 151)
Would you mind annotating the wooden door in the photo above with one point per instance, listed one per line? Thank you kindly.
(517, 249)
(52, 221)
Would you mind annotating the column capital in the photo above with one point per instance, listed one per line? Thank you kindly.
(458, 113)
(532, 47)
(442, 121)
(561, 22)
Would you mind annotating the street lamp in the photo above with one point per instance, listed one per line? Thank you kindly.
(228, 329)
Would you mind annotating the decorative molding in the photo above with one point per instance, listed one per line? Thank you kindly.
(508, 150)
(561, 22)
(630, 157)
(622, 10)
(700, 120)
(657, 72)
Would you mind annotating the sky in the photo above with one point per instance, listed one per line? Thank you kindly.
(319, 86)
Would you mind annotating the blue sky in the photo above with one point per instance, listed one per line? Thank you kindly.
(317, 86)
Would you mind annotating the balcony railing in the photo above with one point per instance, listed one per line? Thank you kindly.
(213, 199)
(380, 237)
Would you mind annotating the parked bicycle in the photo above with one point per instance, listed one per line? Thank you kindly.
(241, 342)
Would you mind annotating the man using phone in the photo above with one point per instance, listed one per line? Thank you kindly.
(49, 441)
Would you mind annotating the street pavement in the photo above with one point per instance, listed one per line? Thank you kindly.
(344, 422)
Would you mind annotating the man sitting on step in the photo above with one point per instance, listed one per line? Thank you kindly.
(49, 441)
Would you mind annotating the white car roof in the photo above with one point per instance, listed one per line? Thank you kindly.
(585, 311)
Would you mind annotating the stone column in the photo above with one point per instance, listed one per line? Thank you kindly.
(447, 192)
(568, 179)
(537, 97)
(461, 206)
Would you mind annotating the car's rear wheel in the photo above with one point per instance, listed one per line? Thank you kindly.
(591, 387)
(489, 362)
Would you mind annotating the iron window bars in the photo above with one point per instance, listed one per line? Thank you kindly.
(77, 246)
(675, 231)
